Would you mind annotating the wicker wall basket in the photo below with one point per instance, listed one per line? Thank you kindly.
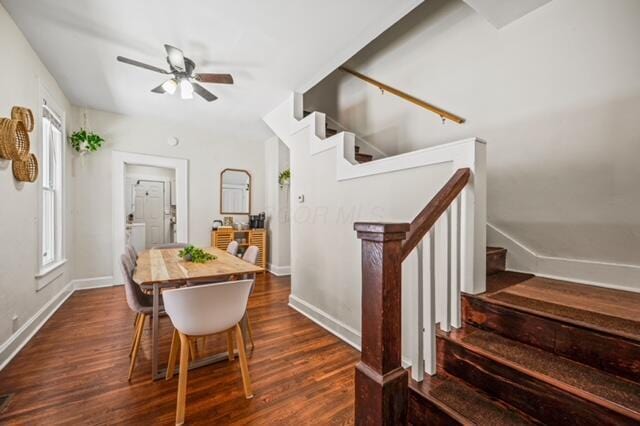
(25, 115)
(27, 170)
(14, 140)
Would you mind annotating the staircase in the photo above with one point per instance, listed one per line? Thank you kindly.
(535, 351)
(328, 131)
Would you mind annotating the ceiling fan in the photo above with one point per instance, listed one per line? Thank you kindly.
(184, 78)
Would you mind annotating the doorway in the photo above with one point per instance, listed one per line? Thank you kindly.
(150, 205)
(150, 202)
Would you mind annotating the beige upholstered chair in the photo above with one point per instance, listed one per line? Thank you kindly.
(232, 248)
(140, 303)
(202, 311)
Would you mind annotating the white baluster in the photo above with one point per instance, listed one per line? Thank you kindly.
(442, 271)
(454, 267)
(417, 362)
(430, 308)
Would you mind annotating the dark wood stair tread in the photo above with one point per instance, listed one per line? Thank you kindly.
(610, 311)
(466, 404)
(589, 383)
(493, 250)
(496, 260)
(363, 158)
(501, 280)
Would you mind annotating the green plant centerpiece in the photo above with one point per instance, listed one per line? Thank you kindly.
(284, 178)
(84, 141)
(195, 255)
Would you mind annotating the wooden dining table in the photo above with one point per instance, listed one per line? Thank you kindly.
(157, 269)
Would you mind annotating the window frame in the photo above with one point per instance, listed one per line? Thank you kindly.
(59, 191)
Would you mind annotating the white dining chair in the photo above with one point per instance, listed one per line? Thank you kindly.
(232, 248)
(250, 255)
(202, 311)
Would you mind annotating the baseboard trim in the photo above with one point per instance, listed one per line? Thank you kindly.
(601, 274)
(89, 283)
(14, 344)
(326, 321)
(279, 271)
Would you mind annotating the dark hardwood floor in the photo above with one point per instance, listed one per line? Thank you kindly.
(74, 371)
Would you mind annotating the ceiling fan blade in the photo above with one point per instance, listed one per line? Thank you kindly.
(141, 65)
(207, 95)
(215, 78)
(158, 89)
(175, 57)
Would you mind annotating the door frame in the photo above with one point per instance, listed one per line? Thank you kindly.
(119, 160)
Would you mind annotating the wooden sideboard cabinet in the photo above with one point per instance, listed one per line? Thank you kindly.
(245, 238)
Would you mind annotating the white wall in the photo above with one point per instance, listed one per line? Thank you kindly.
(326, 261)
(207, 158)
(278, 200)
(23, 75)
(556, 94)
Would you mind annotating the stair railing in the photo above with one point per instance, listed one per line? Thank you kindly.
(444, 115)
(446, 224)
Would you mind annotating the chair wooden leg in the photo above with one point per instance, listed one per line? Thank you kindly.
(136, 344)
(193, 349)
(135, 334)
(244, 368)
(230, 344)
(173, 354)
(182, 379)
(249, 330)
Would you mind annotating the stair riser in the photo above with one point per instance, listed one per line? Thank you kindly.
(535, 397)
(424, 412)
(612, 354)
(496, 262)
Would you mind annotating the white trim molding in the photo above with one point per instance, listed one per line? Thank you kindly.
(89, 283)
(520, 258)
(21, 337)
(12, 346)
(279, 271)
(326, 321)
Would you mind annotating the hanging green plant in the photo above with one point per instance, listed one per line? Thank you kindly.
(84, 141)
(284, 178)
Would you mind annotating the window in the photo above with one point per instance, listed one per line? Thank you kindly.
(51, 237)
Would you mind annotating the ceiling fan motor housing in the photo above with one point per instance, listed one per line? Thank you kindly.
(188, 72)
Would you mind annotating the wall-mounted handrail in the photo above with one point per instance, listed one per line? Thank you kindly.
(407, 97)
(434, 209)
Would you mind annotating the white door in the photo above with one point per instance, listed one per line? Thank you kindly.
(149, 208)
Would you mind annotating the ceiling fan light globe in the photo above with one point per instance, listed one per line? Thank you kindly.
(170, 86)
(186, 89)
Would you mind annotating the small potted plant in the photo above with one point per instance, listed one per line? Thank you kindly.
(195, 255)
(284, 178)
(84, 141)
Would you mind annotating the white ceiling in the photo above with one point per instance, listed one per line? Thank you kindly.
(270, 47)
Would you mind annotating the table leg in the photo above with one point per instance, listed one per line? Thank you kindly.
(155, 331)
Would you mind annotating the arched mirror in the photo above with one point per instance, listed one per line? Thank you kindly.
(235, 192)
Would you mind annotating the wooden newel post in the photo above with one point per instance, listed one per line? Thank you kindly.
(381, 382)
